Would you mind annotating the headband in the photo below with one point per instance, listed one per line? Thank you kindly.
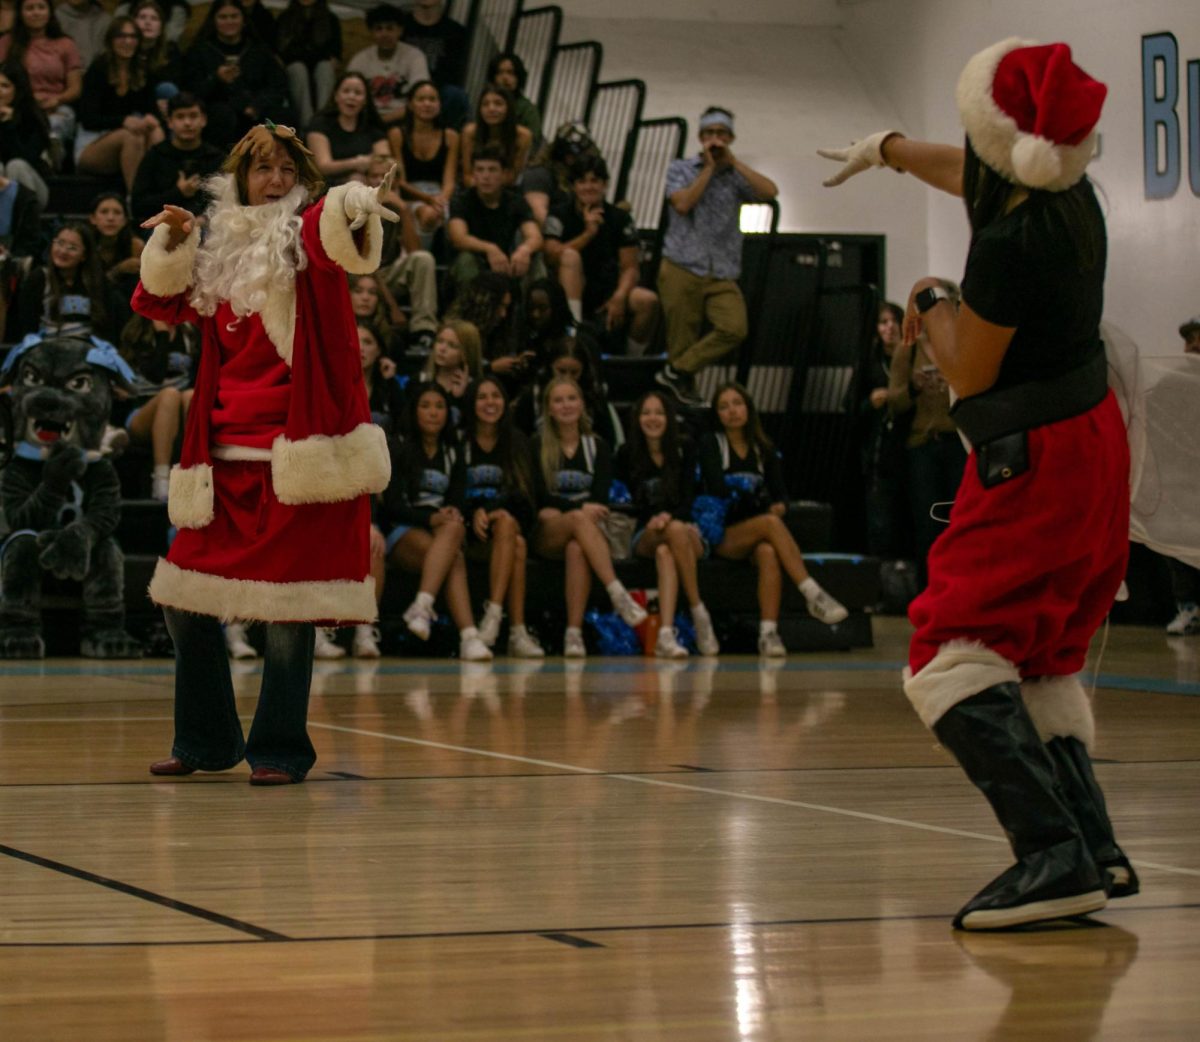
(716, 119)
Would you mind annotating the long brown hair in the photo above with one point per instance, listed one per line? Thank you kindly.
(89, 273)
(510, 443)
(112, 64)
(755, 435)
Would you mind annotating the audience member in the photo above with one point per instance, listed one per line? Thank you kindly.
(545, 319)
(69, 296)
(547, 181)
(384, 393)
(596, 250)
(260, 24)
(347, 132)
(173, 171)
(702, 254)
(85, 22)
(390, 66)
(174, 15)
(310, 47)
(118, 114)
(570, 357)
(496, 124)
(20, 233)
(24, 132)
(738, 463)
(1185, 580)
(935, 456)
(486, 302)
(427, 153)
(491, 222)
(54, 66)
(446, 45)
(421, 514)
(160, 54)
(508, 71)
(118, 250)
(498, 508)
(371, 302)
(658, 466)
(237, 77)
(572, 473)
(453, 363)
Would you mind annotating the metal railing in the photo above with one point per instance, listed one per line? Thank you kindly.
(658, 142)
(613, 115)
(576, 68)
(535, 40)
(494, 22)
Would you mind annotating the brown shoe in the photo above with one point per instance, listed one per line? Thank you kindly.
(171, 766)
(270, 776)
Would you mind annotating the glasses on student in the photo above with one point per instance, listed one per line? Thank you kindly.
(67, 246)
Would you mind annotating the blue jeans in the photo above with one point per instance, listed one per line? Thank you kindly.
(208, 734)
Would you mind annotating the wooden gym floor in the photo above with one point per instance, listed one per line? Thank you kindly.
(618, 851)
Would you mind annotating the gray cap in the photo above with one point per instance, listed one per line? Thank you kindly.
(1190, 326)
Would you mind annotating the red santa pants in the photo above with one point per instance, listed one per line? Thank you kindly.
(1030, 567)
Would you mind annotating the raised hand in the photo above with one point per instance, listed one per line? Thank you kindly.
(179, 222)
(361, 201)
(860, 156)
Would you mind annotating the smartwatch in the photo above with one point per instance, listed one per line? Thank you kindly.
(930, 296)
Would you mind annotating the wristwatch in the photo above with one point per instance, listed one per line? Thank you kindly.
(930, 296)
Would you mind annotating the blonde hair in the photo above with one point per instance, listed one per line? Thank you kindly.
(470, 346)
(551, 454)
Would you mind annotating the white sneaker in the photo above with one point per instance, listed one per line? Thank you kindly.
(418, 619)
(1186, 621)
(325, 647)
(668, 645)
(489, 625)
(160, 489)
(630, 611)
(471, 648)
(366, 642)
(771, 645)
(523, 644)
(573, 645)
(826, 609)
(236, 642)
(706, 638)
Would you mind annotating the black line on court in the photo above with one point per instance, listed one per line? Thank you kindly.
(573, 932)
(571, 940)
(128, 889)
(350, 776)
(690, 767)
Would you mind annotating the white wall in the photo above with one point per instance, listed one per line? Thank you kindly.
(894, 63)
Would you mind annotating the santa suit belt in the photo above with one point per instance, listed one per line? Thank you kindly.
(996, 422)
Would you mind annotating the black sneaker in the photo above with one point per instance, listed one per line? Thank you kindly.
(682, 385)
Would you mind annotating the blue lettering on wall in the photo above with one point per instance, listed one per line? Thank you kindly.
(1162, 172)
(1193, 81)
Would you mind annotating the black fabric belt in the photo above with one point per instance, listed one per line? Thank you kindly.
(996, 414)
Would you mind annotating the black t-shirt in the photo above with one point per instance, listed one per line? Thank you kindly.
(647, 484)
(500, 224)
(601, 256)
(445, 45)
(582, 478)
(490, 486)
(543, 179)
(1022, 271)
(345, 144)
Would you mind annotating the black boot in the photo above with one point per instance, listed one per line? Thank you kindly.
(992, 737)
(1082, 792)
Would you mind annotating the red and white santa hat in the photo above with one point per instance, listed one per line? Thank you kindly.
(1031, 112)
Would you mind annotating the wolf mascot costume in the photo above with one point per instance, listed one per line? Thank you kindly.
(61, 498)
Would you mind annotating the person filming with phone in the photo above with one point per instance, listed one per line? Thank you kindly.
(702, 254)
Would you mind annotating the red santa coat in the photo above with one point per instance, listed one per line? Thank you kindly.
(279, 534)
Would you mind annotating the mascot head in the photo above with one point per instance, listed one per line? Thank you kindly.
(62, 391)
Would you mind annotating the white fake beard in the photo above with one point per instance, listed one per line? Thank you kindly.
(251, 253)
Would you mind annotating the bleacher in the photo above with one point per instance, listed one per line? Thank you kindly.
(799, 380)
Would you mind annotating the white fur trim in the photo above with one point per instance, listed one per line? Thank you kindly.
(190, 496)
(959, 670)
(324, 469)
(250, 600)
(338, 240)
(1021, 158)
(168, 272)
(279, 322)
(1060, 708)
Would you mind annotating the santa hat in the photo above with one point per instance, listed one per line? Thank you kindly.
(1030, 112)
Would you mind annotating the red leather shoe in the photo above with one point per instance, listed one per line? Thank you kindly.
(172, 765)
(270, 776)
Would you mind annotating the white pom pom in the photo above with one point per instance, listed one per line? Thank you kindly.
(1036, 161)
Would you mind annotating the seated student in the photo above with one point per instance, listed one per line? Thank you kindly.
(162, 356)
(446, 45)
(69, 296)
(486, 302)
(453, 363)
(347, 134)
(498, 508)
(572, 471)
(546, 183)
(421, 515)
(262, 25)
(508, 71)
(596, 250)
(389, 66)
(658, 466)
(238, 77)
(310, 47)
(173, 171)
(24, 132)
(569, 356)
(385, 394)
(174, 16)
(738, 463)
(371, 302)
(160, 54)
(55, 69)
(426, 151)
(496, 124)
(118, 250)
(491, 224)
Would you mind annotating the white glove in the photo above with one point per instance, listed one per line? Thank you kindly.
(361, 201)
(860, 156)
